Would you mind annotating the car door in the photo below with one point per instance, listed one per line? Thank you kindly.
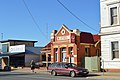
(57, 68)
(64, 69)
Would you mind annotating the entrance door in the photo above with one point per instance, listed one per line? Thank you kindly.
(63, 57)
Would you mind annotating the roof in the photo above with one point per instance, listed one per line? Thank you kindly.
(86, 38)
(89, 38)
(47, 47)
(32, 50)
(18, 40)
(96, 37)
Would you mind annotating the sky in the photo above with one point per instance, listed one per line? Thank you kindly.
(17, 23)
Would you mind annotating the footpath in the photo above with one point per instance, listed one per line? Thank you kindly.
(105, 75)
(91, 75)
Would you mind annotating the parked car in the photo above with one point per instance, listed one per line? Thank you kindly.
(67, 69)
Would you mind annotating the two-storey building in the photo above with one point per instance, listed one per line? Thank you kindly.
(18, 53)
(110, 34)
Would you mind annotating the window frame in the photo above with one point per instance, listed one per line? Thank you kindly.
(113, 16)
(63, 51)
(87, 51)
(56, 54)
(113, 50)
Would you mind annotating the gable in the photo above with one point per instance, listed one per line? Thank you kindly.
(63, 34)
(64, 31)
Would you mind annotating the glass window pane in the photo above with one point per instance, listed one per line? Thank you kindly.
(4, 48)
(115, 11)
(113, 15)
(115, 50)
(115, 20)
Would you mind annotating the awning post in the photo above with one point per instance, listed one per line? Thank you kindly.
(8, 61)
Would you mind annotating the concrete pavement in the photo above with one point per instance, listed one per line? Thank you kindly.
(92, 75)
(105, 75)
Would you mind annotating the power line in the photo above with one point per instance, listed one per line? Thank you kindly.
(76, 16)
(33, 18)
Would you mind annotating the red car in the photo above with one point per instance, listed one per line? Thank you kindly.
(67, 69)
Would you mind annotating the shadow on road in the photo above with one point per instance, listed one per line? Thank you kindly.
(92, 75)
(9, 73)
(89, 75)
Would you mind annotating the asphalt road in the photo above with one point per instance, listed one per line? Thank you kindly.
(37, 76)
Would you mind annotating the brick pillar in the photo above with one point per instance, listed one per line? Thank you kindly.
(75, 54)
(67, 54)
(59, 55)
(52, 55)
(46, 59)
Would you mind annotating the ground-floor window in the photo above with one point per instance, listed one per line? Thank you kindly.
(56, 54)
(87, 52)
(71, 58)
(63, 54)
(63, 57)
(43, 57)
(49, 57)
(17, 61)
(115, 49)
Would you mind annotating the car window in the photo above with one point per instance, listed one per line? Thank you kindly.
(53, 65)
(71, 65)
(58, 66)
(64, 66)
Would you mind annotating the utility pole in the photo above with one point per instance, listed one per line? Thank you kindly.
(47, 42)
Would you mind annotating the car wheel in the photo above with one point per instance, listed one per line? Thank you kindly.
(53, 73)
(72, 74)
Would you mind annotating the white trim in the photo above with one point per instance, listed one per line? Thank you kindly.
(109, 14)
(115, 59)
(113, 3)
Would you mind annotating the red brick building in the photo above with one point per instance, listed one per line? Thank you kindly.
(72, 45)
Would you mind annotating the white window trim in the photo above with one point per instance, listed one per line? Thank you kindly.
(109, 13)
(115, 59)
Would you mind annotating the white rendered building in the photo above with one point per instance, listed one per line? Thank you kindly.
(110, 34)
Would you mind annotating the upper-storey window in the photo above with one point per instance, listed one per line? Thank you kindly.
(4, 48)
(114, 15)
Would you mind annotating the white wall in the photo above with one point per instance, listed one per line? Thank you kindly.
(106, 53)
(106, 26)
(29, 57)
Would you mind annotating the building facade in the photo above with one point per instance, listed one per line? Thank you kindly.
(72, 45)
(110, 34)
(18, 53)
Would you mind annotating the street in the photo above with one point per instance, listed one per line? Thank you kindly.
(37, 76)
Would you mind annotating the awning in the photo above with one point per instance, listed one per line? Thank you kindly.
(9, 54)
